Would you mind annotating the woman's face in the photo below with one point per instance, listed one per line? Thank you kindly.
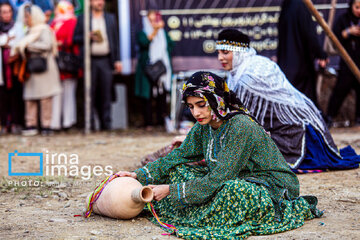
(6, 13)
(27, 19)
(225, 57)
(152, 19)
(199, 110)
(356, 8)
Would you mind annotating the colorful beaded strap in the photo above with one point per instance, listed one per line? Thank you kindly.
(97, 192)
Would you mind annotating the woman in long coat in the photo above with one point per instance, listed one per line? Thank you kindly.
(40, 87)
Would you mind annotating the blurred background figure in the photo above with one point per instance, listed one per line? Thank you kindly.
(155, 44)
(64, 104)
(299, 47)
(39, 42)
(347, 30)
(11, 103)
(105, 59)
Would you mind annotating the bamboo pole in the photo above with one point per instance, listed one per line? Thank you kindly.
(87, 67)
(345, 56)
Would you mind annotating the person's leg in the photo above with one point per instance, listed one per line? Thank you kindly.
(69, 103)
(3, 114)
(46, 112)
(31, 108)
(161, 107)
(31, 116)
(105, 94)
(341, 90)
(93, 91)
(17, 104)
(147, 111)
(7, 109)
(56, 112)
(80, 108)
(357, 106)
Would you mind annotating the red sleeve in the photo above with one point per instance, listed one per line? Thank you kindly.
(66, 32)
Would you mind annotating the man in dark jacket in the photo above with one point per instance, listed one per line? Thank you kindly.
(299, 47)
(105, 58)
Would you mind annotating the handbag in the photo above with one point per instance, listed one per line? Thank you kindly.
(68, 62)
(154, 71)
(36, 64)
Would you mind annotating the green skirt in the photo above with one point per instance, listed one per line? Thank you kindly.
(238, 210)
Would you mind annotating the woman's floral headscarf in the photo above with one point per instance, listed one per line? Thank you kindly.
(64, 11)
(223, 103)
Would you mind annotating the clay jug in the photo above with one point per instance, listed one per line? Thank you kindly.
(122, 198)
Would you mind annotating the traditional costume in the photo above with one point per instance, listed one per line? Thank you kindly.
(247, 187)
(295, 124)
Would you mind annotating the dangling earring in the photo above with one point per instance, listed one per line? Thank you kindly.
(214, 116)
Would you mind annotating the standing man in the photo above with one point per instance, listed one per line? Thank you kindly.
(299, 47)
(105, 59)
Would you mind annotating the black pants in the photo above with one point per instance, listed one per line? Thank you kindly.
(306, 83)
(3, 106)
(101, 84)
(160, 106)
(345, 82)
(12, 104)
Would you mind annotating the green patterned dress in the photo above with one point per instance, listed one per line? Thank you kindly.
(246, 189)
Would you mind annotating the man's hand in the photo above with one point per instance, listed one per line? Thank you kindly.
(118, 66)
(94, 36)
(160, 191)
(127, 174)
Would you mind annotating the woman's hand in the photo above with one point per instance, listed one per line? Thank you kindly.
(177, 141)
(127, 174)
(160, 191)
(160, 24)
(354, 30)
(323, 62)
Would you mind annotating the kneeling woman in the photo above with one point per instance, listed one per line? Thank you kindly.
(247, 187)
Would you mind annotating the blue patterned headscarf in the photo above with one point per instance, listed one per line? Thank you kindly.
(223, 102)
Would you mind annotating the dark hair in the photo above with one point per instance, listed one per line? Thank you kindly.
(27, 9)
(232, 34)
(350, 12)
(152, 11)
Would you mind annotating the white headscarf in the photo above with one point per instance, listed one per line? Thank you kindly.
(158, 51)
(262, 86)
(38, 24)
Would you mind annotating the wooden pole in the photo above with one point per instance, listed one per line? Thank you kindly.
(345, 56)
(87, 67)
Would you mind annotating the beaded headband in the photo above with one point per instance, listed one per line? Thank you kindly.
(231, 46)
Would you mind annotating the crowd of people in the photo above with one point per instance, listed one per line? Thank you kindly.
(49, 94)
(34, 86)
(41, 64)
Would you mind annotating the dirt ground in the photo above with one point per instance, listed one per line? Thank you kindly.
(44, 207)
